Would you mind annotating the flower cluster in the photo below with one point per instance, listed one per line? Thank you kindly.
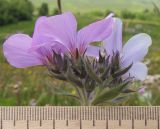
(99, 74)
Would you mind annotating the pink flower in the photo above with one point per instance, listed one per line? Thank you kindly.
(56, 33)
(142, 90)
(133, 51)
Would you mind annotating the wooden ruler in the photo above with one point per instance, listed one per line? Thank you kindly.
(79, 117)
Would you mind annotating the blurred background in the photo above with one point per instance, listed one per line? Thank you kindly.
(33, 86)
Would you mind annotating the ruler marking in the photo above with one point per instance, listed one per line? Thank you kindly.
(150, 110)
(125, 113)
(14, 115)
(80, 124)
(4, 113)
(145, 122)
(53, 124)
(27, 124)
(132, 123)
(157, 111)
(139, 112)
(114, 113)
(148, 113)
(122, 114)
(158, 123)
(118, 117)
(119, 122)
(133, 117)
(101, 113)
(1, 124)
(109, 113)
(36, 109)
(43, 116)
(40, 123)
(47, 113)
(66, 122)
(14, 121)
(64, 113)
(93, 122)
(107, 124)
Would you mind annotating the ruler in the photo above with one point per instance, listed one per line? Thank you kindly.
(80, 117)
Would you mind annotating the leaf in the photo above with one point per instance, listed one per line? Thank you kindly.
(68, 95)
(62, 91)
(57, 76)
(106, 95)
(120, 99)
(128, 91)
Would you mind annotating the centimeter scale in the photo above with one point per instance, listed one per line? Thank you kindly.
(79, 117)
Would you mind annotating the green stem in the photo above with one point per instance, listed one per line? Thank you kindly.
(82, 95)
(85, 97)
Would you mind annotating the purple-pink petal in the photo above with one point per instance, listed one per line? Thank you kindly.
(136, 48)
(61, 29)
(93, 51)
(114, 42)
(142, 90)
(94, 32)
(36, 38)
(138, 70)
(16, 52)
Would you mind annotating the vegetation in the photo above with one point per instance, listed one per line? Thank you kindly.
(44, 10)
(84, 6)
(33, 86)
(14, 11)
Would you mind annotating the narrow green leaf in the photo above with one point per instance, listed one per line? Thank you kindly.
(57, 76)
(120, 99)
(106, 95)
(128, 91)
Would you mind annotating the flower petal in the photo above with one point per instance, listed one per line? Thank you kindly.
(36, 38)
(16, 52)
(95, 32)
(114, 42)
(136, 48)
(92, 51)
(142, 90)
(139, 71)
(60, 28)
(47, 49)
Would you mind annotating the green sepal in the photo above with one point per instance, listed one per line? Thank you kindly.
(90, 71)
(122, 71)
(72, 78)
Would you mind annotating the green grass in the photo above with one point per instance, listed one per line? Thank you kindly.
(33, 85)
(100, 5)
